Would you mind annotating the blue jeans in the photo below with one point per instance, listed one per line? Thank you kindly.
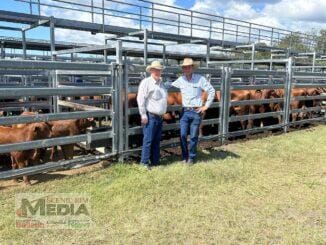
(151, 141)
(189, 123)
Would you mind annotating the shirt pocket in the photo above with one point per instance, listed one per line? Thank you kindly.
(196, 90)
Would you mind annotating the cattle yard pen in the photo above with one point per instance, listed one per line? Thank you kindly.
(68, 71)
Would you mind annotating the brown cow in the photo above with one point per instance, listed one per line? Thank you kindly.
(63, 128)
(29, 132)
(259, 108)
(298, 104)
(70, 127)
(237, 95)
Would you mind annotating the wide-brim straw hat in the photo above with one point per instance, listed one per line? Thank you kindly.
(189, 62)
(154, 65)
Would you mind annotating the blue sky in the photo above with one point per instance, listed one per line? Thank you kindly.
(296, 15)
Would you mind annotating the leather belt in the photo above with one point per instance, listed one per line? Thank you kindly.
(155, 115)
(190, 108)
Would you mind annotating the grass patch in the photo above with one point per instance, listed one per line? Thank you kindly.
(269, 190)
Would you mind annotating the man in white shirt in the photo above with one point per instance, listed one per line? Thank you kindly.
(152, 104)
(191, 86)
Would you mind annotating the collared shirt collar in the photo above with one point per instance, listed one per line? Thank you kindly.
(186, 79)
(156, 82)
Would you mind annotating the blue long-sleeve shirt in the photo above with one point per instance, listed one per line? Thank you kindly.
(191, 91)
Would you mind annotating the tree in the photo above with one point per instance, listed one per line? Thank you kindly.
(295, 42)
(321, 42)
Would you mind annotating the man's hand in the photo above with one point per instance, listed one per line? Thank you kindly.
(202, 109)
(144, 120)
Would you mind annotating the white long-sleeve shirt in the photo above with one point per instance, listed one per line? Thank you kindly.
(151, 97)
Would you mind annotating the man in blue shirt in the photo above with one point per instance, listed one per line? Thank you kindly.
(191, 86)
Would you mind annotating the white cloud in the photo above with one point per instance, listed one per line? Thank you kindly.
(296, 15)
(242, 11)
(299, 10)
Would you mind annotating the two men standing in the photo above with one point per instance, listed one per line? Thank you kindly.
(152, 104)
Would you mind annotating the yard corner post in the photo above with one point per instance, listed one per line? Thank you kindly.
(225, 104)
(287, 94)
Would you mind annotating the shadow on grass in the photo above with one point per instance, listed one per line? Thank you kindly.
(215, 154)
(35, 179)
(203, 156)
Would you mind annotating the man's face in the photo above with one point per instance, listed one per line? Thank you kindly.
(187, 70)
(156, 74)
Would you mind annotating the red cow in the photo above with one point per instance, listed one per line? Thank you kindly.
(238, 95)
(70, 127)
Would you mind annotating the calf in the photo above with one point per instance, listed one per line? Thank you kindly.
(70, 127)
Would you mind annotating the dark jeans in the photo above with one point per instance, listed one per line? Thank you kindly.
(189, 123)
(151, 141)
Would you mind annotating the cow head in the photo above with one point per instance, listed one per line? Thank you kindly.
(84, 123)
(40, 130)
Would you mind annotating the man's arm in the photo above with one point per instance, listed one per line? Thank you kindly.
(177, 83)
(141, 100)
(207, 87)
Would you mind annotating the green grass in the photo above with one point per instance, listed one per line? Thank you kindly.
(265, 191)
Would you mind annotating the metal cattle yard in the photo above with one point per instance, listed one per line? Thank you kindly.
(54, 82)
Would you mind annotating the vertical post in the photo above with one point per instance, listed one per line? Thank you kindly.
(225, 104)
(164, 55)
(145, 46)
(105, 54)
(291, 39)
(126, 107)
(259, 35)
(24, 80)
(72, 57)
(236, 35)
(272, 34)
(39, 7)
(252, 82)
(30, 7)
(223, 30)
(210, 29)
(208, 49)
(52, 38)
(287, 95)
(178, 24)
(24, 44)
(103, 16)
(114, 109)
(2, 53)
(92, 9)
(119, 113)
(313, 61)
(50, 84)
(191, 22)
(271, 63)
(55, 83)
(152, 17)
(249, 33)
(252, 56)
(140, 17)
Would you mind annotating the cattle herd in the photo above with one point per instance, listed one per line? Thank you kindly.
(174, 98)
(42, 130)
